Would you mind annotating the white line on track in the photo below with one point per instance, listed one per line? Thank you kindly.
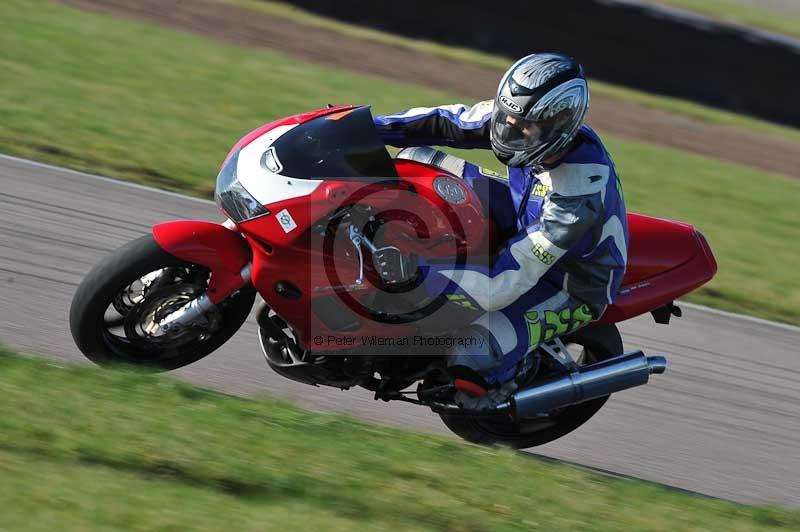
(102, 178)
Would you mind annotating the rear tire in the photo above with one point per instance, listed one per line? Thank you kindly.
(601, 342)
(100, 291)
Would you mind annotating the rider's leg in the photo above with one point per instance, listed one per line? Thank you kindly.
(499, 341)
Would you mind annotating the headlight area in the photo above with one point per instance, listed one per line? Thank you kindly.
(232, 198)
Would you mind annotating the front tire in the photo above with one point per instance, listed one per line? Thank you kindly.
(141, 280)
(599, 343)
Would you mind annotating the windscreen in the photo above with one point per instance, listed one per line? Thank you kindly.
(343, 146)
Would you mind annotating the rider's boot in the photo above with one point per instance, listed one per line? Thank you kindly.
(470, 359)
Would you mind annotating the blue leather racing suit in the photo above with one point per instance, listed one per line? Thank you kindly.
(567, 233)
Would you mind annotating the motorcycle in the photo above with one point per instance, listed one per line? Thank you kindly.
(328, 228)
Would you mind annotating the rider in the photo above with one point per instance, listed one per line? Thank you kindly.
(561, 207)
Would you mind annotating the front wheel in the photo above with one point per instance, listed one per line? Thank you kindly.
(116, 310)
(598, 343)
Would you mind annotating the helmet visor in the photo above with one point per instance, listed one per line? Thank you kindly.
(514, 133)
(552, 122)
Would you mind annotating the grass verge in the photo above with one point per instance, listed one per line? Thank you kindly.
(161, 107)
(89, 449)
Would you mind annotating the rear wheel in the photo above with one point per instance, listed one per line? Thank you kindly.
(597, 343)
(116, 310)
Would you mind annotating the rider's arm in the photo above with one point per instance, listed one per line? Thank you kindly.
(455, 125)
(574, 208)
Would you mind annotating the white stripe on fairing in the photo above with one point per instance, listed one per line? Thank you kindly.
(265, 186)
(111, 180)
(494, 293)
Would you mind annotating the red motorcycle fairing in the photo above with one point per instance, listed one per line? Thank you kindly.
(291, 260)
(208, 244)
(666, 260)
(324, 299)
(463, 227)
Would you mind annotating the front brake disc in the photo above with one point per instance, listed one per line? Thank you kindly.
(142, 320)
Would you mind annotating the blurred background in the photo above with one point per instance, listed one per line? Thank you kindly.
(695, 99)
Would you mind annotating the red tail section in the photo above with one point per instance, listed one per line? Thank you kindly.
(666, 260)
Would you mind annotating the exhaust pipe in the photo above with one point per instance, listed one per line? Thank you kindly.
(589, 382)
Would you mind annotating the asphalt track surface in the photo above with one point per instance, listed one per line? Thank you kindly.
(723, 421)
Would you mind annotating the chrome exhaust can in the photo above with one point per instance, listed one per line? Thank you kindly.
(589, 382)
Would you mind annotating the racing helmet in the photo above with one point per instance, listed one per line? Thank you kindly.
(540, 106)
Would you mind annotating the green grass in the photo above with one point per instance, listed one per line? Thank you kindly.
(137, 101)
(161, 107)
(664, 103)
(785, 20)
(89, 449)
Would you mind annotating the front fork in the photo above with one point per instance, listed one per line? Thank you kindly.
(218, 247)
(193, 313)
